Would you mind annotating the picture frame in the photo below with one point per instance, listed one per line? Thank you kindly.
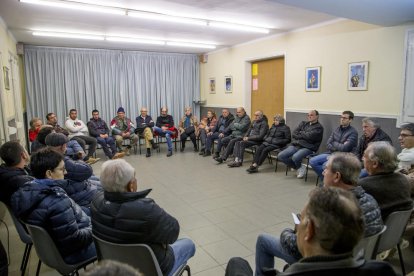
(358, 76)
(228, 84)
(212, 85)
(313, 79)
(6, 76)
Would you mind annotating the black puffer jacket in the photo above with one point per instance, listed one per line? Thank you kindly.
(370, 211)
(258, 130)
(132, 218)
(278, 135)
(44, 203)
(308, 135)
(11, 179)
(223, 124)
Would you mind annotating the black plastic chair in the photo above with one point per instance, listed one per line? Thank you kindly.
(49, 254)
(368, 244)
(139, 256)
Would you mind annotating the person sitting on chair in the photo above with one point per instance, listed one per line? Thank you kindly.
(121, 214)
(327, 230)
(123, 128)
(277, 137)
(35, 125)
(205, 127)
(99, 129)
(43, 202)
(164, 127)
(221, 129)
(188, 127)
(144, 129)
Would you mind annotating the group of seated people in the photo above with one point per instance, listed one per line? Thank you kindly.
(59, 192)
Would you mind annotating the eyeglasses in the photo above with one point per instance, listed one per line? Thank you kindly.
(345, 118)
(404, 135)
(296, 218)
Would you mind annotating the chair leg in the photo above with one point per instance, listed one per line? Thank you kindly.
(39, 264)
(317, 180)
(307, 168)
(401, 259)
(26, 256)
(287, 168)
(187, 268)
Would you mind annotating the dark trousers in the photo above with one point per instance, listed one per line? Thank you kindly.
(230, 142)
(240, 146)
(108, 145)
(203, 137)
(183, 138)
(210, 140)
(86, 140)
(261, 153)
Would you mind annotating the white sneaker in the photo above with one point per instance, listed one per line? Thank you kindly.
(301, 171)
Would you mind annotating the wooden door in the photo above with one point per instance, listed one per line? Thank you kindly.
(267, 89)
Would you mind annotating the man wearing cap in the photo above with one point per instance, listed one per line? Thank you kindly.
(79, 131)
(123, 128)
(99, 129)
(82, 184)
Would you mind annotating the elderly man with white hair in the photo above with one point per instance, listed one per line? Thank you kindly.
(121, 214)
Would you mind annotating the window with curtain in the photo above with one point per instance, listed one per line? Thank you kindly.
(58, 79)
(407, 114)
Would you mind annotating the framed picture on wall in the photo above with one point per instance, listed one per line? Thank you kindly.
(212, 85)
(6, 78)
(358, 75)
(228, 82)
(313, 79)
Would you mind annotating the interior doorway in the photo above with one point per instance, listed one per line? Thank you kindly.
(268, 87)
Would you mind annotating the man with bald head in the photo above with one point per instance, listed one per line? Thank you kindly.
(144, 129)
(306, 139)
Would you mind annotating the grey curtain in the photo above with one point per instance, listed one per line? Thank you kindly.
(58, 79)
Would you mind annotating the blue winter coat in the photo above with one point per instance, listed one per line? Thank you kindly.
(44, 203)
(343, 139)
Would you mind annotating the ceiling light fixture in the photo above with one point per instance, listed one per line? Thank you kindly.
(237, 27)
(134, 40)
(69, 35)
(190, 45)
(77, 6)
(165, 17)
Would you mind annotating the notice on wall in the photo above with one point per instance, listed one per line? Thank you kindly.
(255, 69)
(255, 84)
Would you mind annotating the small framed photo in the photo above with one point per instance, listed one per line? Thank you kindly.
(212, 85)
(358, 75)
(313, 79)
(6, 78)
(228, 82)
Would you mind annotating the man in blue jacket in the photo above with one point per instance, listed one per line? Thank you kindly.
(343, 139)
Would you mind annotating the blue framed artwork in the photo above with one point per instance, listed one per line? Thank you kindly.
(313, 79)
(228, 84)
(358, 76)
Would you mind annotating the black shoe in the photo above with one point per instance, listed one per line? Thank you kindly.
(195, 149)
(182, 149)
(235, 164)
(169, 153)
(219, 160)
(202, 152)
(148, 153)
(216, 155)
(207, 153)
(249, 168)
(253, 170)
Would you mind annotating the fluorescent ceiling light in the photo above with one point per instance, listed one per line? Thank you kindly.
(168, 18)
(77, 6)
(134, 40)
(238, 27)
(69, 35)
(191, 45)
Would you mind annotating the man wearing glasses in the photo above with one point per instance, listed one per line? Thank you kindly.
(343, 139)
(406, 139)
(307, 138)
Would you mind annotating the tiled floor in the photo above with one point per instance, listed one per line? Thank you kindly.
(221, 209)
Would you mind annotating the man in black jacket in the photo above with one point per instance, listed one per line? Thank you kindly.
(120, 214)
(99, 129)
(165, 128)
(219, 131)
(307, 138)
(14, 172)
(144, 129)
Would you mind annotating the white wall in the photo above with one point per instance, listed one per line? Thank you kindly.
(331, 46)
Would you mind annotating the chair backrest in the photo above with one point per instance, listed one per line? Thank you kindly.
(140, 256)
(396, 223)
(368, 244)
(47, 251)
(20, 227)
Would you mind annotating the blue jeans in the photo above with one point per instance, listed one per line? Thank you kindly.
(267, 248)
(183, 249)
(107, 143)
(165, 133)
(210, 140)
(292, 156)
(318, 163)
